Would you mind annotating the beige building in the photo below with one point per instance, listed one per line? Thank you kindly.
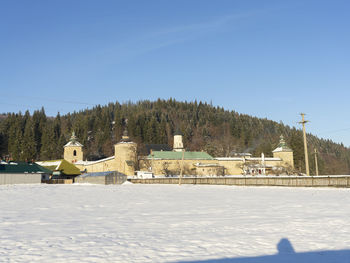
(202, 164)
(171, 162)
(168, 163)
(178, 144)
(73, 150)
(284, 153)
(123, 161)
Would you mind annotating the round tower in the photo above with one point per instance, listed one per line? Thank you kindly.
(178, 144)
(73, 150)
(125, 154)
(284, 152)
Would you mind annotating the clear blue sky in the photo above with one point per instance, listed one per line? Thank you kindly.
(270, 59)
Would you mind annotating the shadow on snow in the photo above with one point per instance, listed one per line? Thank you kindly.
(285, 254)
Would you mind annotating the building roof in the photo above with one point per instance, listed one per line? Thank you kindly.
(73, 141)
(23, 167)
(202, 165)
(73, 144)
(125, 137)
(107, 173)
(178, 132)
(157, 147)
(62, 165)
(94, 162)
(241, 154)
(282, 146)
(229, 159)
(265, 159)
(170, 155)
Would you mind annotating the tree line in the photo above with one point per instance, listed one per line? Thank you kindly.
(213, 129)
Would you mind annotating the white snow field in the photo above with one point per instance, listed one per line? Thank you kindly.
(171, 223)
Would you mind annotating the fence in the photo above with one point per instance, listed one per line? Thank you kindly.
(290, 181)
(20, 178)
(57, 181)
(101, 178)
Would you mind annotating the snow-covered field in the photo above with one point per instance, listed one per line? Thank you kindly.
(171, 223)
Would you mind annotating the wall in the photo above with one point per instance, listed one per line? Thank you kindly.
(178, 144)
(58, 181)
(115, 178)
(68, 153)
(20, 178)
(209, 171)
(125, 160)
(232, 166)
(275, 163)
(126, 157)
(125, 154)
(103, 166)
(174, 166)
(290, 181)
(90, 180)
(287, 158)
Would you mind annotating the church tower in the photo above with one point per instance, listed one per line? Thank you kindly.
(283, 152)
(178, 144)
(73, 150)
(125, 155)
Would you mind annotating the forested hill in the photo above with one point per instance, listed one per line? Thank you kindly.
(212, 129)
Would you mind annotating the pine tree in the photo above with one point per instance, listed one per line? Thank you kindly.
(296, 143)
(15, 135)
(204, 127)
(29, 149)
(48, 143)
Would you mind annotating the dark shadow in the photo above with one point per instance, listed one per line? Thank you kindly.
(286, 254)
(285, 247)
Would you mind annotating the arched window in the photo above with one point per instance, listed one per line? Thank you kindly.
(74, 153)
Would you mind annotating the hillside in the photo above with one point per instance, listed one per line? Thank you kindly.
(213, 129)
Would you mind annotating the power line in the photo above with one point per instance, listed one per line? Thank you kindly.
(334, 131)
(49, 99)
(28, 106)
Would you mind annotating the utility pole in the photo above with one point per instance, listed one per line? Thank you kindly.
(182, 165)
(303, 121)
(316, 164)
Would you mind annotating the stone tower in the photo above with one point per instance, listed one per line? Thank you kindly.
(73, 150)
(125, 154)
(178, 144)
(282, 151)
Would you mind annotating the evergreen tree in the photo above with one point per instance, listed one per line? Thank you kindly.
(296, 143)
(29, 149)
(204, 127)
(15, 135)
(48, 144)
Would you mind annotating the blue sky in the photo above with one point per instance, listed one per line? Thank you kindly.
(271, 59)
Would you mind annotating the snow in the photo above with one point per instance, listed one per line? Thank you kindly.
(73, 143)
(171, 223)
(81, 162)
(230, 159)
(264, 159)
(50, 163)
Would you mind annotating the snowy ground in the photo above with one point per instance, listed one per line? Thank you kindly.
(170, 223)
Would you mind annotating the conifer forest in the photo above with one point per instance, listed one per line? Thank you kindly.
(221, 133)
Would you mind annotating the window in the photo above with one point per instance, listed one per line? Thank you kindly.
(74, 153)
